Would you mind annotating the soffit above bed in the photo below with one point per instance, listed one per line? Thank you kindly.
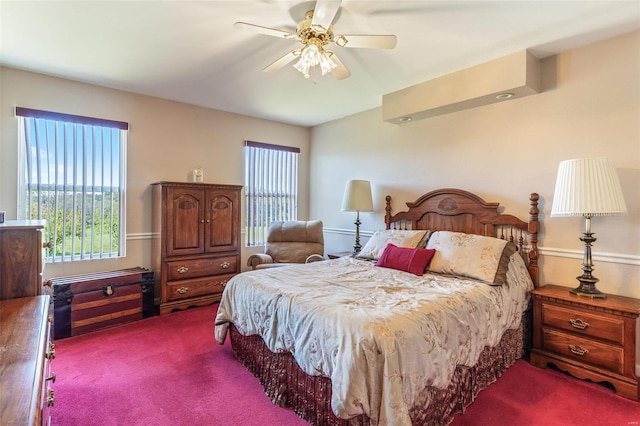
(510, 77)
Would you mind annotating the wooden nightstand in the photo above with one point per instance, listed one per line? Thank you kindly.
(588, 338)
(338, 254)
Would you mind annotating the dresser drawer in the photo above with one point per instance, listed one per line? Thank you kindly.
(185, 289)
(194, 268)
(590, 324)
(584, 350)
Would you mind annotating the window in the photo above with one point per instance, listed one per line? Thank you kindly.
(271, 187)
(72, 174)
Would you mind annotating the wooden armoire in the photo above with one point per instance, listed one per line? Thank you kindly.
(198, 249)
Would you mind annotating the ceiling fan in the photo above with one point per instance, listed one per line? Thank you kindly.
(315, 32)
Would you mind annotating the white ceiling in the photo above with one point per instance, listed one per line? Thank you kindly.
(188, 51)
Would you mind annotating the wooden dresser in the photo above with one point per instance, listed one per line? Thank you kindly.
(588, 338)
(21, 264)
(26, 349)
(198, 249)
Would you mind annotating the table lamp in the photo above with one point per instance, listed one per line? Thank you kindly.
(587, 187)
(357, 198)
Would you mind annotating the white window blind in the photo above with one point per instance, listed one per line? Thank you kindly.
(271, 188)
(72, 174)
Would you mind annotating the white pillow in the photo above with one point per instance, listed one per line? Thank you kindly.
(469, 255)
(401, 238)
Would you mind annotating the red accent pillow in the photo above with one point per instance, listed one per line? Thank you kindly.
(414, 260)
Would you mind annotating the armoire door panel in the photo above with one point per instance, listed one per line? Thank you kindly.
(221, 234)
(185, 222)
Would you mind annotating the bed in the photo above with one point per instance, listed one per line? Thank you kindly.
(376, 339)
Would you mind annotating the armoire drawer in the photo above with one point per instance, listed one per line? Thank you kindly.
(201, 267)
(185, 289)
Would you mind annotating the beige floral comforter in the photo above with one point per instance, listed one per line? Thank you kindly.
(381, 335)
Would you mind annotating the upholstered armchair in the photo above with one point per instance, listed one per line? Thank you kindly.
(291, 242)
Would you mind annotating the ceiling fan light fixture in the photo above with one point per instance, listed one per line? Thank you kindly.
(313, 55)
(326, 63)
(310, 57)
(315, 33)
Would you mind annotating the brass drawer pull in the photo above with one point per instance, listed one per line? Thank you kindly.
(578, 323)
(50, 398)
(578, 350)
(224, 283)
(51, 353)
(183, 290)
(52, 378)
(182, 269)
(225, 265)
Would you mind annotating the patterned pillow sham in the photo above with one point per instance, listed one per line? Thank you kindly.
(413, 260)
(469, 255)
(401, 238)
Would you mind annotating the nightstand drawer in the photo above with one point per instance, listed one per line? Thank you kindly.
(584, 350)
(589, 324)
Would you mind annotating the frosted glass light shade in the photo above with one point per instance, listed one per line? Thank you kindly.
(311, 56)
(357, 196)
(587, 187)
(326, 63)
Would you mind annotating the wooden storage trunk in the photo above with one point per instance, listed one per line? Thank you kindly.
(84, 303)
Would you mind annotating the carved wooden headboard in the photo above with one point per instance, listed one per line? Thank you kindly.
(461, 211)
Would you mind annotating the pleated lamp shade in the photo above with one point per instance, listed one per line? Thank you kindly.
(357, 196)
(587, 187)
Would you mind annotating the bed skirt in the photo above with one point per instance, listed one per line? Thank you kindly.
(310, 396)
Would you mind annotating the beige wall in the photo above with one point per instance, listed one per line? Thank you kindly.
(589, 106)
(166, 141)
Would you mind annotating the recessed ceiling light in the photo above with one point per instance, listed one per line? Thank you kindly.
(503, 96)
(405, 119)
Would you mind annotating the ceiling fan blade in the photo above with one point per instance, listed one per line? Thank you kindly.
(265, 30)
(282, 61)
(366, 41)
(340, 72)
(324, 13)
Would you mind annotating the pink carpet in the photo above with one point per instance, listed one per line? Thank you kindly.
(169, 371)
(164, 370)
(529, 396)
